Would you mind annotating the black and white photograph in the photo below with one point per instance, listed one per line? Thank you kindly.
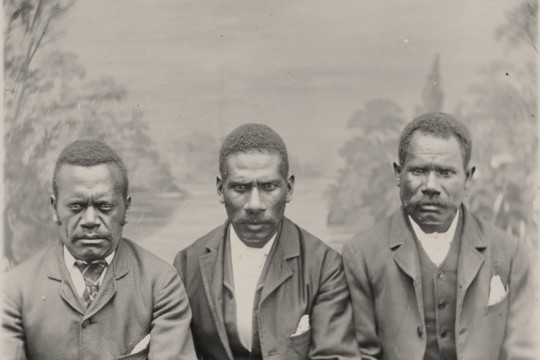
(272, 180)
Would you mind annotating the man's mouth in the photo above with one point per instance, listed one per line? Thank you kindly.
(92, 238)
(430, 207)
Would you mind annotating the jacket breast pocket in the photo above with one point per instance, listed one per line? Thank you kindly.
(498, 307)
(298, 346)
(141, 355)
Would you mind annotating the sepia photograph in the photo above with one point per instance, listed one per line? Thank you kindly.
(270, 179)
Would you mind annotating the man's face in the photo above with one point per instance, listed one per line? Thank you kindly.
(432, 181)
(90, 210)
(255, 194)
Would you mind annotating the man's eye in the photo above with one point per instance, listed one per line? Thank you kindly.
(269, 187)
(75, 207)
(417, 171)
(445, 173)
(105, 207)
(240, 188)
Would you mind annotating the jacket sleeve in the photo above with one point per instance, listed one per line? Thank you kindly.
(522, 322)
(331, 315)
(13, 337)
(170, 336)
(365, 325)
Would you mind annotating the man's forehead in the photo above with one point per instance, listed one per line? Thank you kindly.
(106, 170)
(253, 159)
(430, 143)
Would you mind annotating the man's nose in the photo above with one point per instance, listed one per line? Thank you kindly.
(431, 186)
(90, 219)
(254, 203)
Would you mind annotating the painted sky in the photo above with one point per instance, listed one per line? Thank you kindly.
(302, 67)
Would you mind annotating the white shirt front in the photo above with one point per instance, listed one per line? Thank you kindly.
(247, 264)
(75, 273)
(436, 245)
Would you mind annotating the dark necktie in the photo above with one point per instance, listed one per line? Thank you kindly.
(91, 274)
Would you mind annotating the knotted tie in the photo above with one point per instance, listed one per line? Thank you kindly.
(91, 274)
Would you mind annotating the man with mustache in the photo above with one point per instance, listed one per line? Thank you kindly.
(94, 294)
(260, 286)
(433, 281)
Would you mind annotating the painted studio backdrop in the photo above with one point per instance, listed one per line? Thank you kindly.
(164, 81)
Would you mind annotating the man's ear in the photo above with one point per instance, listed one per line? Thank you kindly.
(290, 188)
(469, 175)
(56, 219)
(397, 173)
(127, 203)
(219, 188)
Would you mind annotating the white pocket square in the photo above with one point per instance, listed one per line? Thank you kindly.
(497, 292)
(141, 345)
(303, 325)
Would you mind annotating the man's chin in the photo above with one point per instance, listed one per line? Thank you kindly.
(255, 233)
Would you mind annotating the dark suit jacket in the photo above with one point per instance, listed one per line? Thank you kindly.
(304, 277)
(44, 317)
(383, 274)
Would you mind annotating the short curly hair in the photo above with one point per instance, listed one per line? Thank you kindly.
(441, 125)
(253, 137)
(90, 153)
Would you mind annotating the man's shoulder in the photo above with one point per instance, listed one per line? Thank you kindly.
(496, 238)
(199, 246)
(39, 259)
(309, 243)
(376, 236)
(140, 257)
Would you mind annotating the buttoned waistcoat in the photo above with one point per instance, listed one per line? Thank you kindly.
(383, 273)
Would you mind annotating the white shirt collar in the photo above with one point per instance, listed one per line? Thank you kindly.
(436, 245)
(70, 260)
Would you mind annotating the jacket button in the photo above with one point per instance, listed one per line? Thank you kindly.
(85, 323)
(442, 304)
(419, 331)
(440, 275)
(444, 333)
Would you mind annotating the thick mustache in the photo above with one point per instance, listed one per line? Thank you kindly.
(92, 236)
(256, 221)
(430, 202)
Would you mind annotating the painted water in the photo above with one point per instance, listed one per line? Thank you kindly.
(167, 223)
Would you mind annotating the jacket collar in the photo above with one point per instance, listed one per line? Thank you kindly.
(58, 271)
(286, 246)
(471, 253)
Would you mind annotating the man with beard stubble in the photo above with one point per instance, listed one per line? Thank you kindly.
(433, 281)
(260, 286)
(93, 294)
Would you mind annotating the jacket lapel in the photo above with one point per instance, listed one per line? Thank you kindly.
(471, 256)
(57, 271)
(286, 247)
(117, 270)
(405, 254)
(212, 278)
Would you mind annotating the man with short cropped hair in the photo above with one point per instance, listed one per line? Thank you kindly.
(94, 294)
(433, 281)
(260, 286)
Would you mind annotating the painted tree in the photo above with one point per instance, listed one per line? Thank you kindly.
(365, 187)
(503, 120)
(432, 94)
(49, 102)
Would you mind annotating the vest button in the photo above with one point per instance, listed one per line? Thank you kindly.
(419, 331)
(442, 304)
(440, 275)
(444, 333)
